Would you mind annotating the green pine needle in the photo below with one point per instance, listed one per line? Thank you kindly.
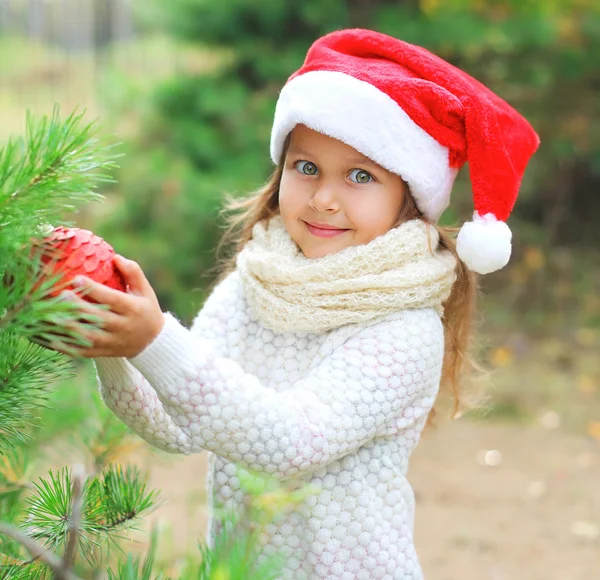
(126, 496)
(33, 571)
(130, 569)
(43, 174)
(111, 503)
(47, 517)
(57, 164)
(234, 554)
(25, 374)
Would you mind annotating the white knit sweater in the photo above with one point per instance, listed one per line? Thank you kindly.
(342, 410)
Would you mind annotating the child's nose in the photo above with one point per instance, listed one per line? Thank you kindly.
(325, 199)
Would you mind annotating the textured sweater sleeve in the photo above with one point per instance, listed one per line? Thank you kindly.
(384, 377)
(132, 398)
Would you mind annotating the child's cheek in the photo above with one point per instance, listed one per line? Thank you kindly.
(294, 193)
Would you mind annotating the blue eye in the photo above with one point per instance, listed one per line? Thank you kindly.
(306, 167)
(361, 176)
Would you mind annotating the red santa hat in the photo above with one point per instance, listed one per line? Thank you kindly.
(417, 116)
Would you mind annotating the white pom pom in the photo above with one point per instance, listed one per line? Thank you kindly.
(484, 244)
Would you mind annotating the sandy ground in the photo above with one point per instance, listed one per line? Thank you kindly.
(494, 501)
(533, 516)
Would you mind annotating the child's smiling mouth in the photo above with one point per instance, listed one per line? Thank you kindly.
(323, 231)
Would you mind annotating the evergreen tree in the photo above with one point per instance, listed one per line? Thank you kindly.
(62, 525)
(68, 517)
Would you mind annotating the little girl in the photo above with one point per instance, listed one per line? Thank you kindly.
(319, 356)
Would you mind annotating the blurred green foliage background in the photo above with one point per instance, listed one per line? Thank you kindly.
(189, 88)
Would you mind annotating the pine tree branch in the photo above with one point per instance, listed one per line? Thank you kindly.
(57, 163)
(75, 520)
(119, 522)
(38, 552)
(62, 568)
(26, 371)
(44, 174)
(36, 166)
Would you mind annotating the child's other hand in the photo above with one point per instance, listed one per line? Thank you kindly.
(133, 320)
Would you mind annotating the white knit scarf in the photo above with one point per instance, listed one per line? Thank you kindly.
(397, 270)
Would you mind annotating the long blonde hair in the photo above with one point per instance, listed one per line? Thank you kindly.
(241, 214)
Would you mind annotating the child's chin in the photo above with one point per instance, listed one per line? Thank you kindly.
(323, 249)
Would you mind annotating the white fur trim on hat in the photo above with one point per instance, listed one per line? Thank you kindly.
(360, 115)
(484, 244)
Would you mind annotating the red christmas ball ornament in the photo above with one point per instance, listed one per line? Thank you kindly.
(73, 252)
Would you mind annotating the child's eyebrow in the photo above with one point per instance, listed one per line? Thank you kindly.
(297, 151)
(357, 160)
(360, 160)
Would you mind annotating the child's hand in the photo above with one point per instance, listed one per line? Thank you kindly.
(133, 321)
